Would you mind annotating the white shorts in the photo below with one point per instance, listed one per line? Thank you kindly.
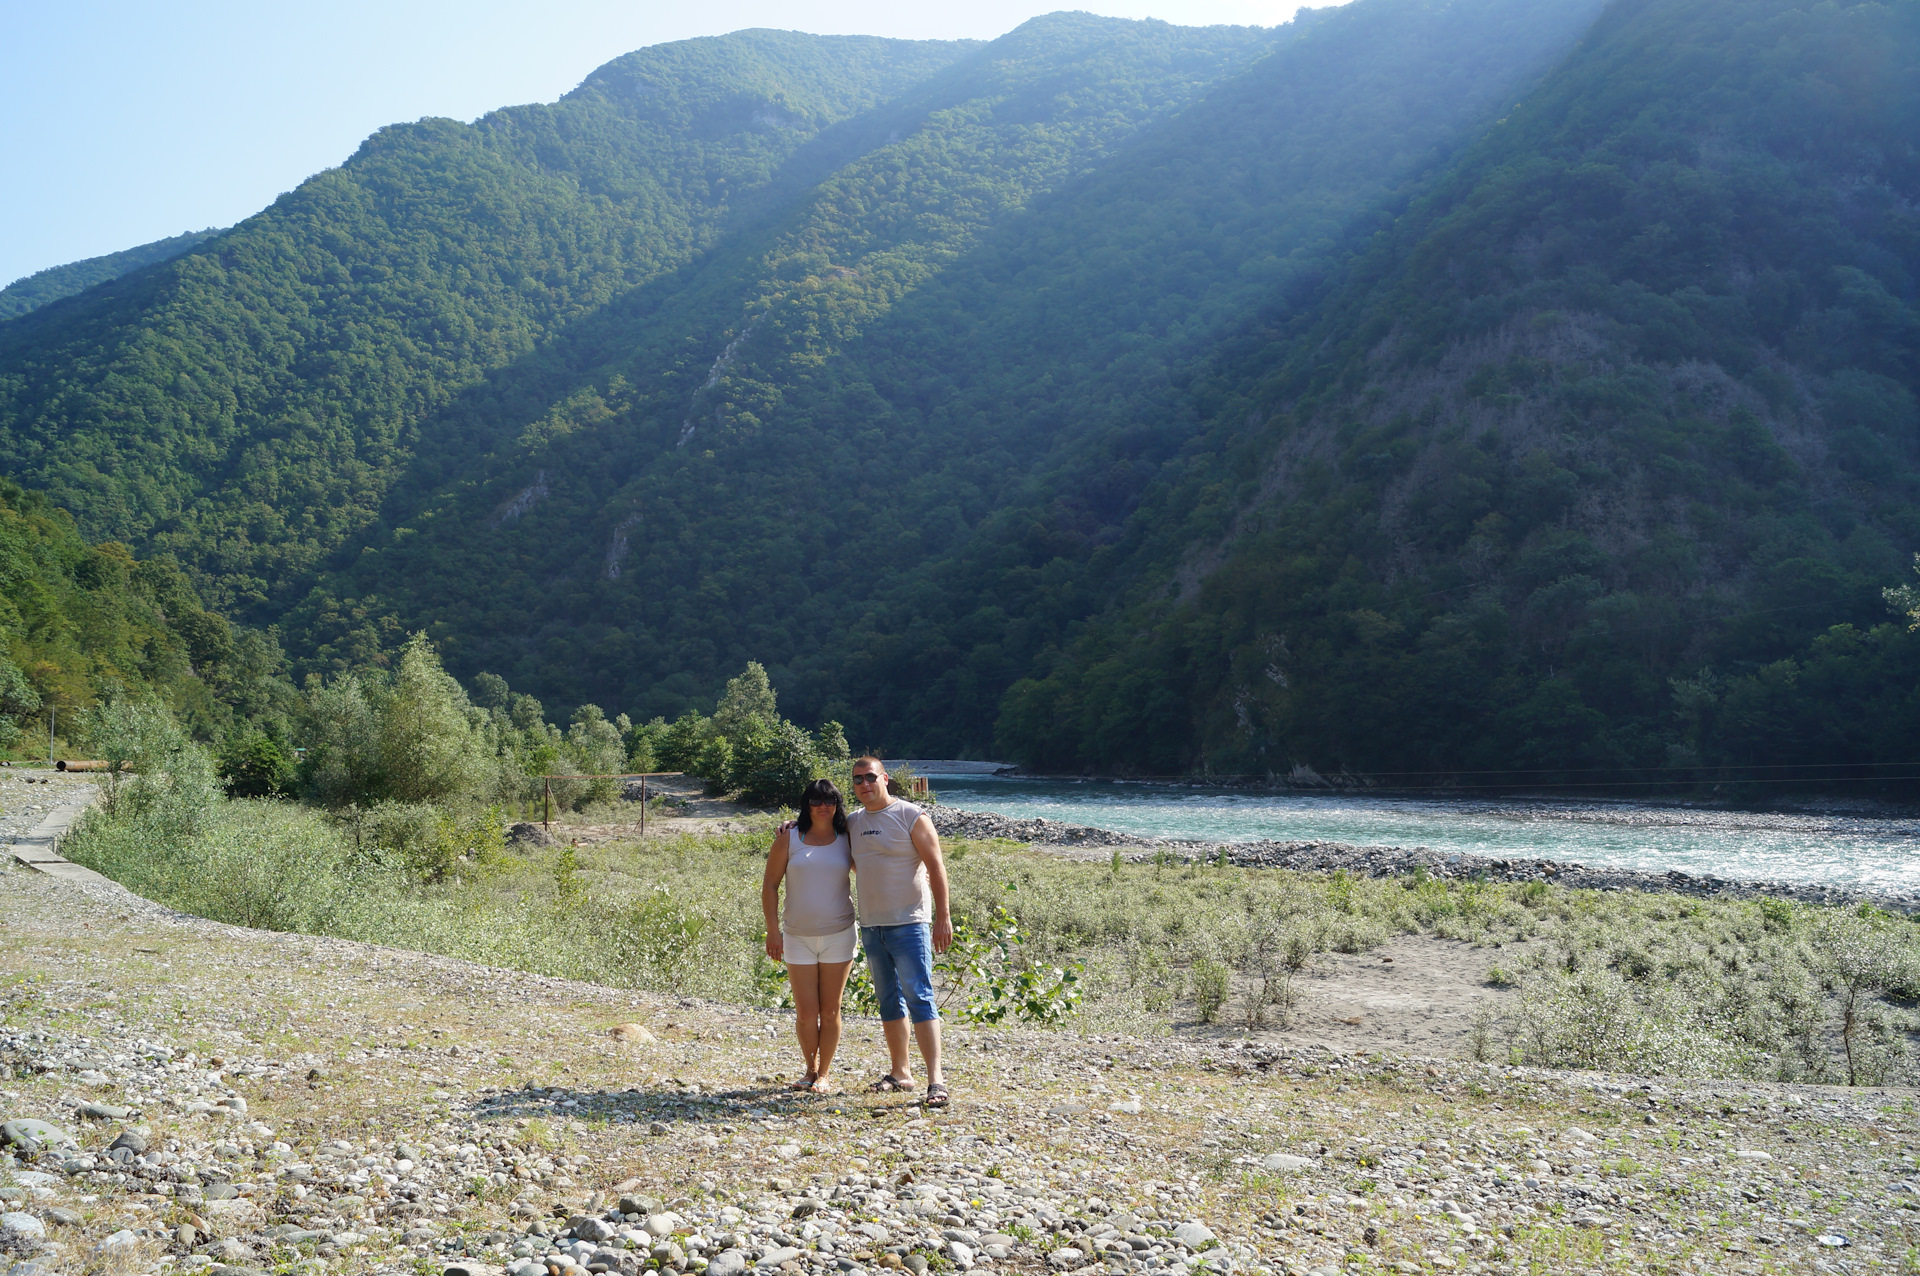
(820, 950)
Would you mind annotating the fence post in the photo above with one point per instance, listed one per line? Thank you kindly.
(546, 804)
(643, 806)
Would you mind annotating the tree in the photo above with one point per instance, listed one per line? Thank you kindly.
(429, 748)
(1859, 956)
(253, 765)
(343, 761)
(749, 701)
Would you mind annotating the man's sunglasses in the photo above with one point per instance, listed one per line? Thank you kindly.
(866, 779)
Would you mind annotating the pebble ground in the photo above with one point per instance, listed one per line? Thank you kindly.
(315, 1105)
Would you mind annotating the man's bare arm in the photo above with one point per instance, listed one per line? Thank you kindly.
(926, 843)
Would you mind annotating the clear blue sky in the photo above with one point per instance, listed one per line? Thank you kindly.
(128, 120)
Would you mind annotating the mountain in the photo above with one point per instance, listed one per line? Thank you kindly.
(1415, 387)
(1595, 465)
(81, 623)
(36, 290)
(951, 318)
(249, 404)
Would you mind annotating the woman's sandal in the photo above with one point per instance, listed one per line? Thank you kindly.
(936, 1095)
(888, 1085)
(804, 1083)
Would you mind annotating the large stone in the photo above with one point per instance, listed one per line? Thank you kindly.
(1284, 1163)
(1192, 1235)
(105, 1112)
(727, 1263)
(234, 1214)
(1066, 1258)
(23, 1226)
(31, 1135)
(638, 1204)
(774, 1257)
(663, 1224)
(591, 1229)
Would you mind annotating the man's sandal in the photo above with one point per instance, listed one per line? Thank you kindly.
(887, 1084)
(936, 1095)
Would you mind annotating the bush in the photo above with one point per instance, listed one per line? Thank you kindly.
(1211, 982)
(253, 765)
(714, 764)
(778, 769)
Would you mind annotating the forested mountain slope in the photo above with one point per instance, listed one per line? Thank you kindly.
(250, 404)
(43, 286)
(1583, 462)
(773, 454)
(83, 623)
(1416, 387)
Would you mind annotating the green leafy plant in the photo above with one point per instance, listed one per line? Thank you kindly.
(1211, 983)
(986, 974)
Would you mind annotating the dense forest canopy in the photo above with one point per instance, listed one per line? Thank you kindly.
(45, 286)
(1516, 387)
(1599, 458)
(83, 625)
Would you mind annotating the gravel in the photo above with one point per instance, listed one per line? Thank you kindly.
(306, 1106)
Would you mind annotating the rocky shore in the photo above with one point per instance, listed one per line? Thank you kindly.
(181, 1095)
(1382, 861)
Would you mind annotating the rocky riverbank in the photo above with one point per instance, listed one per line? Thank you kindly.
(1382, 861)
(189, 1096)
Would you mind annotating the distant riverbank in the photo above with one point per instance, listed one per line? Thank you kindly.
(1817, 855)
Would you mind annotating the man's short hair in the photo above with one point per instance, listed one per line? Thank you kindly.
(870, 757)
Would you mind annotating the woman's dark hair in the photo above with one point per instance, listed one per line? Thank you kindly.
(823, 791)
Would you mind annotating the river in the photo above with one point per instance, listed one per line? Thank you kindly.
(1856, 852)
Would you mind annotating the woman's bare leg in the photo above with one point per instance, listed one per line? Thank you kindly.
(805, 981)
(833, 982)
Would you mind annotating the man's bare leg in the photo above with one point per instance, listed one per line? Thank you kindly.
(899, 1064)
(928, 1035)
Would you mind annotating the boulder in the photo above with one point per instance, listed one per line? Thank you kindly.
(30, 1136)
(727, 1263)
(1192, 1235)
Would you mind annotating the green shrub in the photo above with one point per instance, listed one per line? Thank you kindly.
(1211, 983)
(253, 765)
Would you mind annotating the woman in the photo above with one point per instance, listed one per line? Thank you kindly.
(817, 936)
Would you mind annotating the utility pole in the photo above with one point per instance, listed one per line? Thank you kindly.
(53, 713)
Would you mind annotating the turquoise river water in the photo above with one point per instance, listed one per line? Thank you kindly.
(1861, 853)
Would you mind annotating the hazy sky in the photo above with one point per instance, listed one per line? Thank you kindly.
(127, 120)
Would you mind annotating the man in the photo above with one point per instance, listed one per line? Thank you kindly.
(903, 921)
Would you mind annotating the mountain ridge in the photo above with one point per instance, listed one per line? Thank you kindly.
(1359, 393)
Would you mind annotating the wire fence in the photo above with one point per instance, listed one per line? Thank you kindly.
(546, 786)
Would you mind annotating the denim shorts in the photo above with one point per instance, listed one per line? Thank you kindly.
(901, 959)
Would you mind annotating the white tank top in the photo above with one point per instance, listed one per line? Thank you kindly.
(819, 895)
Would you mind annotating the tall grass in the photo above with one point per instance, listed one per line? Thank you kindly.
(1657, 984)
